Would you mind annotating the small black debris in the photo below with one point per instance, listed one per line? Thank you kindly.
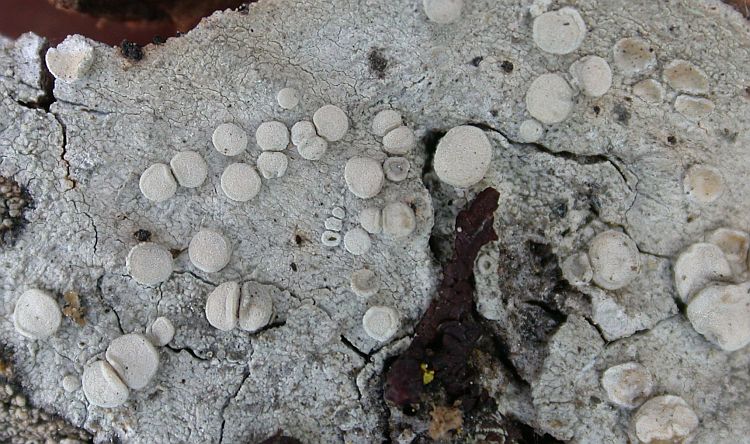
(131, 50)
(621, 113)
(142, 235)
(476, 61)
(507, 66)
(377, 61)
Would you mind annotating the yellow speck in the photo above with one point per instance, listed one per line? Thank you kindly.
(427, 375)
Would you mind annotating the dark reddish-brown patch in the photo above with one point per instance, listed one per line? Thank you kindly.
(107, 21)
(449, 331)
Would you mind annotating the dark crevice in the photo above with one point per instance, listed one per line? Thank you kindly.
(502, 352)
(188, 350)
(204, 280)
(270, 326)
(280, 438)
(438, 246)
(64, 148)
(553, 313)
(597, 328)
(581, 159)
(352, 347)
(228, 401)
(100, 293)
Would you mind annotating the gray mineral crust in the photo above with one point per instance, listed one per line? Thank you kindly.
(617, 162)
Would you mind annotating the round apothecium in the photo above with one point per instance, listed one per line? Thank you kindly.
(396, 169)
(312, 148)
(330, 238)
(628, 384)
(333, 224)
(102, 386)
(357, 241)
(189, 168)
(331, 122)
(157, 183)
(530, 131)
(593, 75)
(256, 311)
(443, 11)
(209, 251)
(149, 263)
(697, 266)
(222, 306)
(272, 164)
(721, 313)
(703, 183)
(37, 314)
(288, 98)
(399, 141)
(463, 156)
(364, 176)
(385, 121)
(134, 358)
(240, 182)
(302, 131)
(665, 419)
(370, 219)
(272, 136)
(614, 259)
(71, 59)
(559, 32)
(160, 332)
(381, 323)
(364, 283)
(229, 139)
(338, 212)
(549, 98)
(633, 55)
(398, 220)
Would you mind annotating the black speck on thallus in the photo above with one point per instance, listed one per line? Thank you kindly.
(142, 235)
(476, 61)
(672, 140)
(158, 40)
(131, 50)
(621, 113)
(377, 62)
(507, 66)
(560, 209)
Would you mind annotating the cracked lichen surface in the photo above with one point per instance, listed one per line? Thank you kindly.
(314, 373)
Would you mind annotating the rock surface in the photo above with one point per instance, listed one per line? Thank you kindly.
(616, 162)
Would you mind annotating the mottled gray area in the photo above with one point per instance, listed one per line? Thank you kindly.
(616, 163)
